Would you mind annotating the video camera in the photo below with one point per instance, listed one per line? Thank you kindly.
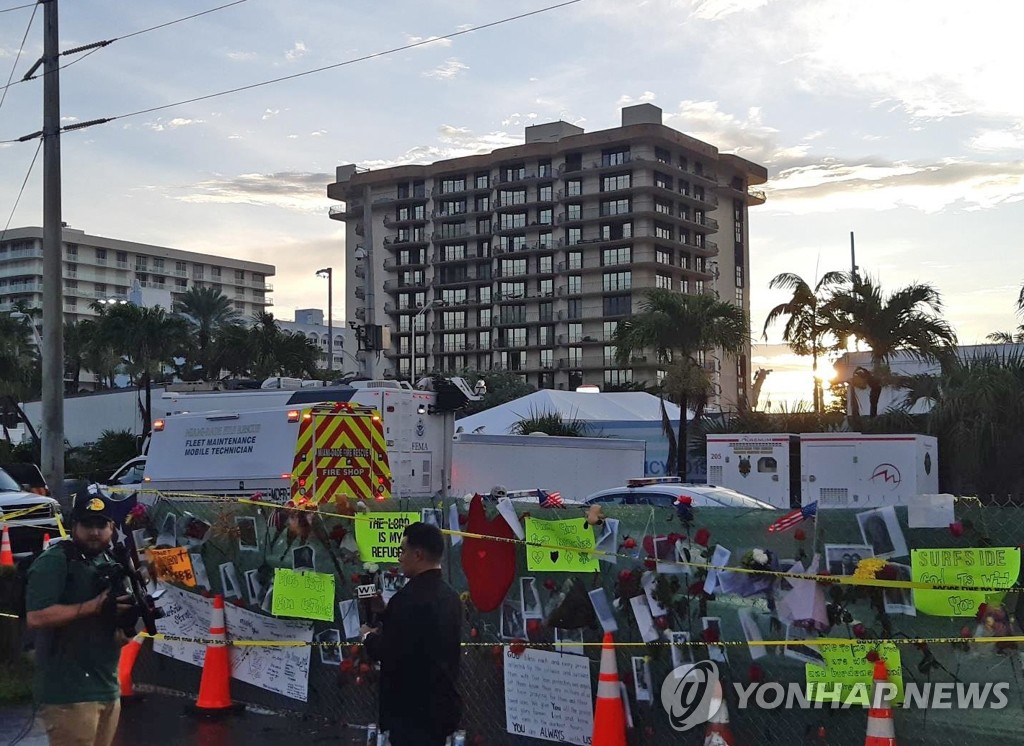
(125, 578)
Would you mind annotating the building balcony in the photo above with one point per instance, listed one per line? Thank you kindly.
(22, 254)
(416, 195)
(523, 177)
(347, 211)
(604, 163)
(391, 221)
(395, 286)
(360, 270)
(468, 279)
(470, 188)
(393, 264)
(32, 286)
(404, 243)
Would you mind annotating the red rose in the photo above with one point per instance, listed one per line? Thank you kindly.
(533, 626)
(629, 543)
(346, 665)
(365, 668)
(661, 622)
(696, 589)
(355, 578)
(650, 563)
(550, 585)
(859, 631)
(625, 576)
(888, 572)
(497, 652)
(338, 534)
(711, 635)
(799, 534)
(354, 651)
(982, 609)
(474, 633)
(702, 536)
(873, 656)
(463, 520)
(965, 632)
(359, 680)
(673, 538)
(517, 648)
(755, 673)
(956, 528)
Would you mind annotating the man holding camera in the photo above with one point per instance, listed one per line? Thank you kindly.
(73, 600)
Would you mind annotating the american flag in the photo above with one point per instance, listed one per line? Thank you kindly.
(794, 517)
(550, 499)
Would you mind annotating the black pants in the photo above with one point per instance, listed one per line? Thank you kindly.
(403, 735)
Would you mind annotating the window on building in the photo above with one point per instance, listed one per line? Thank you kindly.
(544, 170)
(482, 204)
(180, 268)
(614, 157)
(684, 260)
(575, 356)
(546, 334)
(453, 184)
(575, 310)
(616, 206)
(662, 155)
(609, 354)
(513, 220)
(662, 180)
(574, 211)
(419, 212)
(617, 305)
(617, 281)
(545, 193)
(546, 288)
(616, 231)
(662, 206)
(544, 240)
(547, 358)
(575, 333)
(663, 281)
(573, 236)
(454, 296)
(482, 180)
(546, 216)
(663, 255)
(454, 320)
(512, 290)
(122, 261)
(618, 377)
(483, 340)
(485, 294)
(453, 251)
(739, 296)
(546, 311)
(739, 275)
(574, 187)
(483, 227)
(616, 181)
(684, 286)
(512, 197)
(575, 286)
(239, 273)
(512, 267)
(618, 255)
(574, 260)
(664, 231)
(608, 328)
(454, 342)
(101, 256)
(453, 207)
(484, 317)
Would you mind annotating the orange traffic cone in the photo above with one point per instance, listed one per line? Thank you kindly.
(215, 685)
(609, 714)
(881, 730)
(718, 732)
(125, 665)
(6, 555)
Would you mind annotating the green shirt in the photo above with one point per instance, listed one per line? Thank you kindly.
(76, 662)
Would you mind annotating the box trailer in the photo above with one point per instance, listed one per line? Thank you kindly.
(762, 465)
(576, 467)
(852, 470)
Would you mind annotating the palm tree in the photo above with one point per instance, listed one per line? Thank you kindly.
(148, 339)
(680, 329)
(905, 321)
(19, 357)
(208, 312)
(806, 327)
(1016, 337)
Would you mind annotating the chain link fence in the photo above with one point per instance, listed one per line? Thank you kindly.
(342, 698)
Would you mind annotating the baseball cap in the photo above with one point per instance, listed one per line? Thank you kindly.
(90, 506)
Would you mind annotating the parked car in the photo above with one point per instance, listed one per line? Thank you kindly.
(662, 492)
(27, 532)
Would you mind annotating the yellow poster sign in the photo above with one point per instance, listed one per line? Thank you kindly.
(848, 675)
(173, 566)
(379, 535)
(985, 567)
(547, 545)
(304, 595)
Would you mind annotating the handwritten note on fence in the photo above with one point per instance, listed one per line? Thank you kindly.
(848, 675)
(379, 535)
(173, 566)
(304, 595)
(987, 567)
(547, 695)
(571, 533)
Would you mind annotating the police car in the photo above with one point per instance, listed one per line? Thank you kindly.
(662, 492)
(28, 516)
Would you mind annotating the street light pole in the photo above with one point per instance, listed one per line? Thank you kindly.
(426, 307)
(52, 352)
(328, 272)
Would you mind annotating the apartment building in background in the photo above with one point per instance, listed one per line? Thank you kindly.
(527, 258)
(106, 269)
(310, 323)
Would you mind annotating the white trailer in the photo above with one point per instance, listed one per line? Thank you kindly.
(852, 470)
(762, 465)
(576, 467)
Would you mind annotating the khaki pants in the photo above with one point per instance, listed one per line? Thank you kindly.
(81, 723)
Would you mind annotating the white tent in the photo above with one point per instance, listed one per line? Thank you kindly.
(592, 408)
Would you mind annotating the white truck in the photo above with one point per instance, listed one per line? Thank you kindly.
(836, 470)
(576, 467)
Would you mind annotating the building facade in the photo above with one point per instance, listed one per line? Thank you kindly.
(526, 258)
(106, 269)
(310, 323)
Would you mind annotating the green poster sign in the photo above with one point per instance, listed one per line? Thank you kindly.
(555, 537)
(848, 675)
(379, 535)
(303, 595)
(987, 567)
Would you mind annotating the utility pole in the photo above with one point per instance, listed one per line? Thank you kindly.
(52, 459)
(328, 272)
(853, 258)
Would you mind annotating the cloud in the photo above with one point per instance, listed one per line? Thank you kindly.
(270, 113)
(160, 126)
(450, 68)
(452, 142)
(241, 56)
(298, 191)
(644, 98)
(299, 50)
(879, 185)
(999, 140)
(427, 41)
(318, 133)
(715, 10)
(464, 27)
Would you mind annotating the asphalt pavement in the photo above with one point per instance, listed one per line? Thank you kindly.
(161, 719)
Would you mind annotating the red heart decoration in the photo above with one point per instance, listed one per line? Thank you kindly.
(489, 566)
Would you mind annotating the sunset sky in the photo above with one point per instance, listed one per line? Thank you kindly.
(898, 121)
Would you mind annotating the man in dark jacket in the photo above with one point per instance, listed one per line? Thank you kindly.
(418, 647)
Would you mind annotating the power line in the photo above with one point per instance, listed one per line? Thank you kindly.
(106, 42)
(21, 191)
(20, 7)
(364, 58)
(18, 56)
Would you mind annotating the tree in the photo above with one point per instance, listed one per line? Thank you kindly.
(905, 321)
(19, 358)
(148, 339)
(806, 326)
(1016, 337)
(551, 423)
(208, 312)
(78, 338)
(680, 329)
(502, 386)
